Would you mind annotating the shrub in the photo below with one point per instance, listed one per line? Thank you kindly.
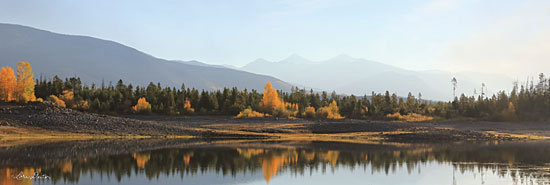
(249, 113)
(411, 117)
(309, 112)
(68, 98)
(281, 112)
(83, 105)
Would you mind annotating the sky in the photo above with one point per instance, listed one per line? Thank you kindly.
(497, 36)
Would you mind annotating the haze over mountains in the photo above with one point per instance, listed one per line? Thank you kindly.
(350, 75)
(96, 60)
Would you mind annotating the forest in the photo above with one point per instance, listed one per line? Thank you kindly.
(527, 102)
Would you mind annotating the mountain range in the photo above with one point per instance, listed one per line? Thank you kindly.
(357, 76)
(96, 61)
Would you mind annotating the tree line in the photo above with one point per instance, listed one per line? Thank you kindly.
(529, 101)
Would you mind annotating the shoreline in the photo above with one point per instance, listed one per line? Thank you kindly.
(39, 122)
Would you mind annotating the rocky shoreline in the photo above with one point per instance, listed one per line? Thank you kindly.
(51, 117)
(48, 116)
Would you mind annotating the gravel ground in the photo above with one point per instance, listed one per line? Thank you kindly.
(48, 116)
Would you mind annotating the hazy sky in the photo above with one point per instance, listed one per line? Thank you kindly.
(505, 36)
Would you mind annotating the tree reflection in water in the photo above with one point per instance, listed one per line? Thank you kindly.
(520, 161)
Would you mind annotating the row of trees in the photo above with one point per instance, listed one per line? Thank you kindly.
(529, 101)
(522, 103)
(18, 88)
(273, 105)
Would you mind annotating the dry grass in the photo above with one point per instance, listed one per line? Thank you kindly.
(10, 136)
(292, 131)
(299, 132)
(518, 136)
(8, 132)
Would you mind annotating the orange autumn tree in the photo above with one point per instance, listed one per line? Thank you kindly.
(187, 107)
(7, 84)
(25, 83)
(142, 106)
(270, 100)
(272, 105)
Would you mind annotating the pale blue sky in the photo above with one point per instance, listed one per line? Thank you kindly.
(507, 36)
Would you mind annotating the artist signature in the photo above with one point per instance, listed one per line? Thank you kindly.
(35, 176)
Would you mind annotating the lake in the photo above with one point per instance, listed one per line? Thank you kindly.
(193, 161)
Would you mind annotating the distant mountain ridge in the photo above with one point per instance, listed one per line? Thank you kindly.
(345, 74)
(96, 60)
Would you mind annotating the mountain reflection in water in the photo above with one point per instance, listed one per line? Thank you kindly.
(261, 162)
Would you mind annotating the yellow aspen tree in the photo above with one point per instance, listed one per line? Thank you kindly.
(270, 99)
(334, 111)
(142, 106)
(7, 84)
(25, 82)
(330, 112)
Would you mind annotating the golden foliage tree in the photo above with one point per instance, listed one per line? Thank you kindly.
(270, 99)
(56, 101)
(7, 84)
(309, 112)
(25, 82)
(187, 107)
(142, 106)
(68, 98)
(329, 112)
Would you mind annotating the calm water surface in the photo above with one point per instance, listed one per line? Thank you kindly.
(261, 162)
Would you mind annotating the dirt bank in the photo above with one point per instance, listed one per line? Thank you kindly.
(24, 121)
(346, 129)
(50, 117)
